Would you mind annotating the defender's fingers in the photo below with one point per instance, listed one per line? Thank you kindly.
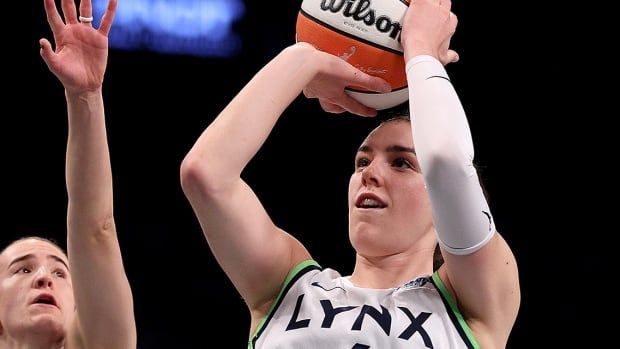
(69, 11)
(47, 52)
(53, 17)
(86, 12)
(108, 18)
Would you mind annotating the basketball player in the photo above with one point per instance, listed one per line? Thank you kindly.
(403, 200)
(49, 300)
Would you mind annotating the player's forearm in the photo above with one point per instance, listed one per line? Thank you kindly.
(445, 151)
(88, 173)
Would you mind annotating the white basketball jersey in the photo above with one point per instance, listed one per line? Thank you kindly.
(321, 309)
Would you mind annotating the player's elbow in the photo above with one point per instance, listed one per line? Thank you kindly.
(192, 175)
(196, 177)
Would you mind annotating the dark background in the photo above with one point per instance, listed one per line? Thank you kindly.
(515, 82)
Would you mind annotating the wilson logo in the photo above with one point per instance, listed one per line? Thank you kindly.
(362, 11)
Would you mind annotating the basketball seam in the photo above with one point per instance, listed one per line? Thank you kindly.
(339, 31)
(373, 92)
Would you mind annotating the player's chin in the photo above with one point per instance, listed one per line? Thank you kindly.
(52, 324)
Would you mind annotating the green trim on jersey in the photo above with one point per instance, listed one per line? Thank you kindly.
(455, 309)
(299, 267)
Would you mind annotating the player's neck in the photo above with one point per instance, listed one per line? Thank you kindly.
(7, 342)
(393, 270)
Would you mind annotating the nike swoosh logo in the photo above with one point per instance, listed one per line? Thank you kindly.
(438, 76)
(489, 217)
(331, 289)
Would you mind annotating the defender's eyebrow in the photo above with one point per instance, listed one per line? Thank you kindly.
(30, 255)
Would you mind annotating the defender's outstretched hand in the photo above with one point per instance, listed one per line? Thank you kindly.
(79, 60)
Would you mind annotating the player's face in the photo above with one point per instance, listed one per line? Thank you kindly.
(389, 208)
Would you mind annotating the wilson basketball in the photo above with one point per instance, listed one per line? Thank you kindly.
(366, 34)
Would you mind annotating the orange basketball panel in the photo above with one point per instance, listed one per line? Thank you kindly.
(367, 58)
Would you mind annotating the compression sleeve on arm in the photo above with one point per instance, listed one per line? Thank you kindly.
(445, 152)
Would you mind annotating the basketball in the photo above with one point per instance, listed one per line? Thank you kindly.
(364, 33)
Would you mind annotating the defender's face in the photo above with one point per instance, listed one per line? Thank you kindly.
(36, 293)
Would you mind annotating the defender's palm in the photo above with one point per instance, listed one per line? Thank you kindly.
(80, 57)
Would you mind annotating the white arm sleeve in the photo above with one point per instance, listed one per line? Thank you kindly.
(445, 152)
